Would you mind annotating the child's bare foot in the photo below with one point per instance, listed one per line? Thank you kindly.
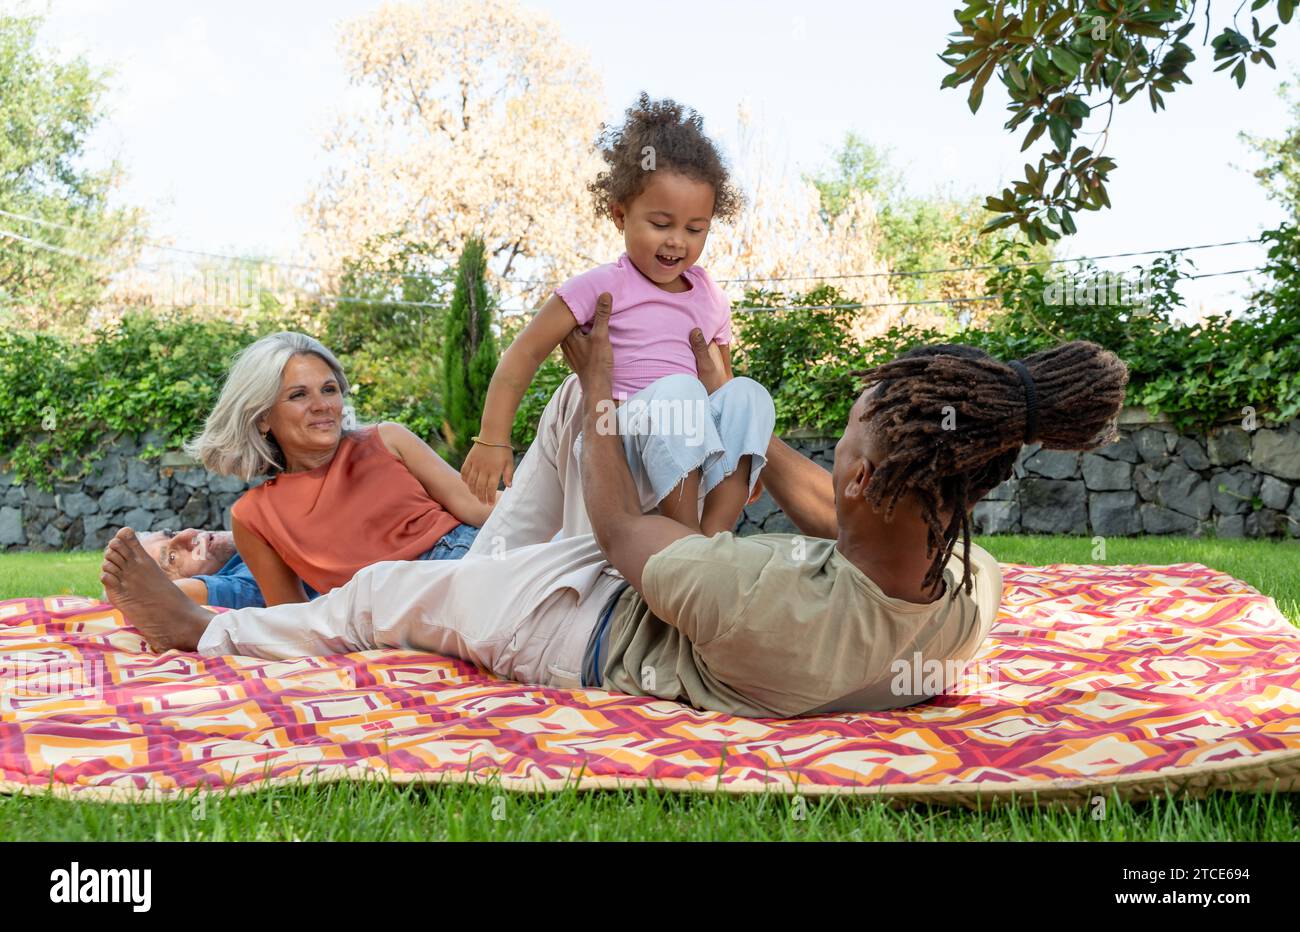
(147, 599)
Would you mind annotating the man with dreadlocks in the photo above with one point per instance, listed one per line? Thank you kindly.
(772, 625)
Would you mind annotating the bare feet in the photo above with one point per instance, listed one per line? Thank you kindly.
(147, 599)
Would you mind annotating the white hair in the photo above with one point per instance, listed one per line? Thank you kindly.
(231, 444)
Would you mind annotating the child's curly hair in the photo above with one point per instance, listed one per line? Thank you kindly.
(674, 134)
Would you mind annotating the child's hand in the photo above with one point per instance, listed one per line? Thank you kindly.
(483, 469)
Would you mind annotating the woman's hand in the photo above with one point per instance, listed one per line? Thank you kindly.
(590, 355)
(708, 362)
(484, 467)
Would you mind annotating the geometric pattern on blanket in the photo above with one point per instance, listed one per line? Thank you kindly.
(1095, 680)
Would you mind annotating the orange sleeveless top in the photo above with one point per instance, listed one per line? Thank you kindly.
(361, 507)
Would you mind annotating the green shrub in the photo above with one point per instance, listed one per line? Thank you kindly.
(143, 374)
(163, 373)
(1195, 374)
(469, 349)
(388, 336)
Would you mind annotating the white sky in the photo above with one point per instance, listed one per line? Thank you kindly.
(217, 110)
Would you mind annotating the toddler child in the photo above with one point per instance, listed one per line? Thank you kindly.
(695, 457)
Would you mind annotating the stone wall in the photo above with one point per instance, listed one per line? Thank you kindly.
(1152, 481)
(122, 489)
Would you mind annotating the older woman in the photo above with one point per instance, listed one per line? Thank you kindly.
(337, 499)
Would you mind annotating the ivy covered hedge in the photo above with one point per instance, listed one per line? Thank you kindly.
(146, 374)
(162, 374)
(159, 376)
(1195, 375)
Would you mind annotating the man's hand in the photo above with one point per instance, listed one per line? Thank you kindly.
(590, 355)
(708, 362)
(713, 375)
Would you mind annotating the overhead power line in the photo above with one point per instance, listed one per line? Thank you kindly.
(950, 269)
(744, 280)
(50, 247)
(105, 260)
(993, 265)
(154, 244)
(511, 312)
(1228, 272)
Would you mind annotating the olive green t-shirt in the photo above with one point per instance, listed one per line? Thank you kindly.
(778, 625)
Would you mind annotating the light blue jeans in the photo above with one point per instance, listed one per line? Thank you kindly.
(674, 426)
(545, 502)
(453, 545)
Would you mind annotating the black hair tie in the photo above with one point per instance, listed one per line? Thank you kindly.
(1031, 400)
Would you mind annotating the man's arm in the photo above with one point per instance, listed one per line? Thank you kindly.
(196, 589)
(803, 489)
(627, 537)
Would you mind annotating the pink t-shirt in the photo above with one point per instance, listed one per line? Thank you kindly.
(649, 328)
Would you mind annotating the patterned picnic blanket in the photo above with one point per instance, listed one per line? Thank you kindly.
(1095, 678)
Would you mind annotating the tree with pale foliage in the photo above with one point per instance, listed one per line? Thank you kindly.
(780, 236)
(63, 237)
(480, 123)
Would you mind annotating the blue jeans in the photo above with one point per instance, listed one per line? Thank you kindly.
(453, 545)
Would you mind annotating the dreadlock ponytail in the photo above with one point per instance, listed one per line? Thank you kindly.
(1080, 389)
(952, 420)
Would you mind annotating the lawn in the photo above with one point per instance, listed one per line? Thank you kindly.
(350, 811)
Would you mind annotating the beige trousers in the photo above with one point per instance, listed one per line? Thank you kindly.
(526, 614)
(546, 492)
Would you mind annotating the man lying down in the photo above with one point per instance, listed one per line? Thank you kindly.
(206, 566)
(770, 625)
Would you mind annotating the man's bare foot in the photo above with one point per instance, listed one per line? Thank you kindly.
(148, 599)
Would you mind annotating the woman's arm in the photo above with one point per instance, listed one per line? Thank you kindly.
(439, 479)
(278, 583)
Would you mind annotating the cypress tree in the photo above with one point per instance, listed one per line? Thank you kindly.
(469, 349)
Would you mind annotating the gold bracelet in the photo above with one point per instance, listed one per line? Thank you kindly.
(486, 444)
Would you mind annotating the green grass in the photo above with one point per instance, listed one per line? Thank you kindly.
(28, 574)
(377, 811)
